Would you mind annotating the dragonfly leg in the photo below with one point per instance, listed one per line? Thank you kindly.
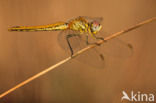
(87, 40)
(87, 43)
(69, 45)
(99, 38)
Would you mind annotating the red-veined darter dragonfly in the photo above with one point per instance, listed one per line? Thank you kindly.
(80, 26)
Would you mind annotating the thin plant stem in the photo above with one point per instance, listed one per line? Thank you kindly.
(114, 35)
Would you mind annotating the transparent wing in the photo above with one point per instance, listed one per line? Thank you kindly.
(90, 19)
(114, 48)
(91, 57)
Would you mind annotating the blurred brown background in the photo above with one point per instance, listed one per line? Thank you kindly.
(23, 54)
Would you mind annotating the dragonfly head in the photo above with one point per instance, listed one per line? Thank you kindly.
(95, 27)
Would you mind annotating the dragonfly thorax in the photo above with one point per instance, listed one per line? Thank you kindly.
(79, 25)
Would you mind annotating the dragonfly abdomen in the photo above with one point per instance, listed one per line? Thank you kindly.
(50, 27)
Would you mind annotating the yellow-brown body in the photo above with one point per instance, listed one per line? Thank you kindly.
(79, 24)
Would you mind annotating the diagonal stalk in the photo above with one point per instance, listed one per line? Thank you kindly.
(76, 54)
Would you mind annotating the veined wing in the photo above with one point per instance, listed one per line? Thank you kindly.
(91, 57)
(50, 27)
(91, 19)
(117, 48)
(112, 50)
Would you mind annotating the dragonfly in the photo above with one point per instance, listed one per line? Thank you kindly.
(88, 27)
(82, 25)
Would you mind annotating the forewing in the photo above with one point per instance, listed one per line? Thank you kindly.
(91, 19)
(92, 57)
(117, 48)
(99, 56)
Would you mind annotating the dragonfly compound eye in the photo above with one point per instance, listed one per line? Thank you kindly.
(95, 27)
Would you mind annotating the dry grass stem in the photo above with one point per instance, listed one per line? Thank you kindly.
(76, 54)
